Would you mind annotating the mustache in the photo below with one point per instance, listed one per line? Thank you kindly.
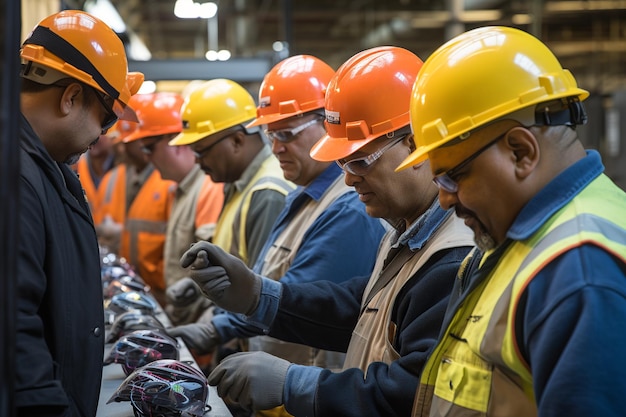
(462, 211)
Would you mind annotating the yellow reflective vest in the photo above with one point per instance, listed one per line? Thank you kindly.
(231, 230)
(477, 369)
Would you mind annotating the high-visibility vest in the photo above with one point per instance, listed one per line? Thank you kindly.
(476, 368)
(112, 196)
(143, 236)
(373, 336)
(276, 263)
(230, 231)
(91, 192)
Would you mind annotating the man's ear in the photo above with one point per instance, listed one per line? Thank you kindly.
(410, 142)
(69, 97)
(525, 151)
(238, 139)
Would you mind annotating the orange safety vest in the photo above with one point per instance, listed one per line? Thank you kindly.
(143, 236)
(209, 207)
(91, 192)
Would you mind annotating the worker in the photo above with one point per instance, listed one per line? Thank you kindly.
(386, 323)
(74, 85)
(534, 329)
(307, 242)
(135, 204)
(214, 117)
(197, 201)
(92, 165)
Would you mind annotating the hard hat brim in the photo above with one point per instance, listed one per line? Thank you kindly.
(333, 149)
(418, 156)
(187, 138)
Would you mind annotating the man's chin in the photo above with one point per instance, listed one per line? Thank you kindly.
(72, 159)
(484, 241)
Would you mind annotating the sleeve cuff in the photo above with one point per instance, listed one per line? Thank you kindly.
(300, 389)
(266, 310)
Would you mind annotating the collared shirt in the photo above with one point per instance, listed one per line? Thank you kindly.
(344, 221)
(571, 313)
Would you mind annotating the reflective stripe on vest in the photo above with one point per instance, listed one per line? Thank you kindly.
(230, 230)
(477, 369)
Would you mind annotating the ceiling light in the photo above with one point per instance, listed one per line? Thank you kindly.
(221, 55)
(107, 12)
(188, 9)
(147, 87)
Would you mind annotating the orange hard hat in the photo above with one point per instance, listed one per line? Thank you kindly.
(120, 130)
(367, 98)
(294, 86)
(75, 44)
(158, 114)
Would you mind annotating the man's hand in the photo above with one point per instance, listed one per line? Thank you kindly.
(202, 338)
(254, 380)
(182, 293)
(223, 278)
(185, 302)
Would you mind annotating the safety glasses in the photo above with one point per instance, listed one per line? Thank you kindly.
(111, 117)
(447, 181)
(289, 135)
(200, 153)
(361, 166)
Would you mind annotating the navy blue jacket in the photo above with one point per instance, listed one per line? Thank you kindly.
(59, 321)
(323, 314)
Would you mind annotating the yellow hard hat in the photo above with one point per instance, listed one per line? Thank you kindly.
(75, 44)
(479, 77)
(212, 107)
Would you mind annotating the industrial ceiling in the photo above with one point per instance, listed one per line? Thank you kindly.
(588, 36)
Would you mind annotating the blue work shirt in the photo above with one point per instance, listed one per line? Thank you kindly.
(571, 316)
(340, 244)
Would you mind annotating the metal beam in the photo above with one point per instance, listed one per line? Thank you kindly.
(236, 69)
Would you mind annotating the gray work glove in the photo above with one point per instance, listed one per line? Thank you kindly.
(201, 338)
(254, 380)
(185, 302)
(183, 292)
(223, 278)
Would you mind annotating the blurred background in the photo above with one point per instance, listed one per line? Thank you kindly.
(178, 42)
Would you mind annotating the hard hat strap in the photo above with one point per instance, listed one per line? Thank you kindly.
(54, 43)
(569, 112)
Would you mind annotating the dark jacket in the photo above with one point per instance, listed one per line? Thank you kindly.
(59, 319)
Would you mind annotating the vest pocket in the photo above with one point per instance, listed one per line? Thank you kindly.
(463, 384)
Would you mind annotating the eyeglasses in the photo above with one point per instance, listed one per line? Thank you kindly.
(200, 153)
(111, 117)
(288, 135)
(361, 166)
(447, 181)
